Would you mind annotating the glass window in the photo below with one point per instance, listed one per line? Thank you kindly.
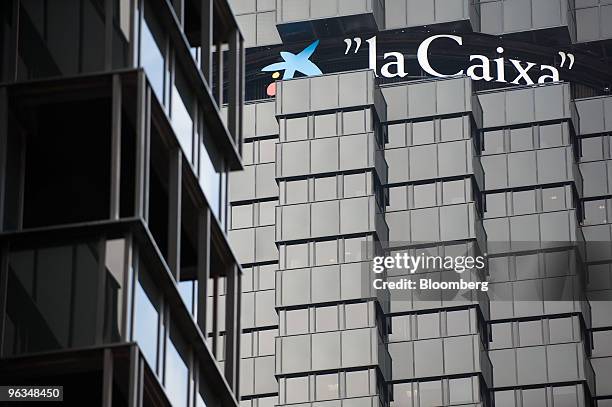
(428, 357)
(267, 212)
(246, 345)
(530, 333)
(325, 219)
(565, 396)
(357, 383)
(562, 362)
(402, 395)
(493, 142)
(242, 216)
(502, 335)
(400, 328)
(531, 364)
(504, 398)
(296, 389)
(296, 191)
(423, 132)
(152, 46)
(430, 393)
(460, 390)
(561, 330)
(295, 355)
(553, 199)
(521, 139)
(265, 119)
(354, 248)
(397, 199)
(247, 152)
(327, 386)
(353, 121)
(186, 290)
(325, 188)
(326, 252)
(326, 350)
(551, 135)
(504, 367)
(356, 315)
(210, 177)
(534, 397)
(297, 129)
(324, 155)
(267, 150)
(523, 202)
(354, 185)
(325, 125)
(326, 319)
(452, 158)
(595, 212)
(458, 322)
(44, 282)
(428, 325)
(452, 129)
(146, 318)
(177, 374)
(458, 354)
(182, 113)
(496, 205)
(424, 195)
(602, 343)
(592, 149)
(522, 168)
(401, 360)
(527, 267)
(453, 192)
(396, 134)
(266, 276)
(266, 342)
(296, 255)
(353, 152)
(296, 321)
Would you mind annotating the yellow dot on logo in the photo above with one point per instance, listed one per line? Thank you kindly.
(276, 75)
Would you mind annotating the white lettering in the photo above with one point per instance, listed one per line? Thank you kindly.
(484, 67)
(372, 54)
(398, 63)
(522, 72)
(423, 58)
(554, 74)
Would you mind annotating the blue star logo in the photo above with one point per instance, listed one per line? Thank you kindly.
(296, 63)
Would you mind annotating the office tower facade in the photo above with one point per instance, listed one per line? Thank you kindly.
(117, 135)
(441, 127)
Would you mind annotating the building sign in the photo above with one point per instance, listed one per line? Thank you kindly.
(291, 64)
(479, 68)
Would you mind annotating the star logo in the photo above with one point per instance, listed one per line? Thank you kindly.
(291, 64)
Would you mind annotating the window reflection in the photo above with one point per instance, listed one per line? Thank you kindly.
(115, 267)
(430, 393)
(52, 299)
(177, 373)
(210, 179)
(181, 112)
(186, 290)
(146, 318)
(151, 54)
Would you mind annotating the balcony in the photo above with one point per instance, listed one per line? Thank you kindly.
(458, 15)
(330, 218)
(306, 19)
(353, 348)
(515, 17)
